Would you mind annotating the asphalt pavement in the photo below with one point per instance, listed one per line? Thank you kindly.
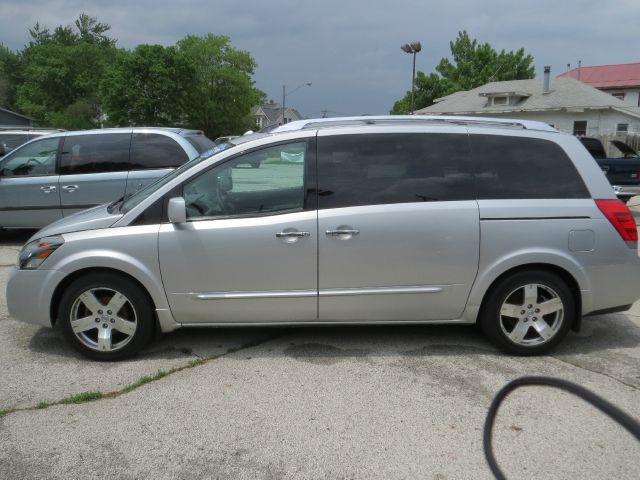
(282, 403)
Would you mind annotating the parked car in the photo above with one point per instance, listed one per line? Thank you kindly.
(399, 220)
(623, 172)
(13, 137)
(63, 173)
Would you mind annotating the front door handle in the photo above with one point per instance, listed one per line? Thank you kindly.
(336, 233)
(70, 188)
(48, 188)
(292, 234)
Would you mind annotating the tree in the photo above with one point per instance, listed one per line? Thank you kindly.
(473, 65)
(148, 86)
(224, 91)
(428, 88)
(61, 72)
(10, 70)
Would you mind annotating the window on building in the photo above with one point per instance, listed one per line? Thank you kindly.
(500, 100)
(618, 95)
(622, 128)
(580, 128)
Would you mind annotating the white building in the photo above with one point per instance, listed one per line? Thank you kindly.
(569, 105)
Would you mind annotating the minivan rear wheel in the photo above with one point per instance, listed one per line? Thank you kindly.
(106, 316)
(528, 313)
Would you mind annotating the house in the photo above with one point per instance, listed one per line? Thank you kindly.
(270, 113)
(13, 119)
(565, 103)
(621, 80)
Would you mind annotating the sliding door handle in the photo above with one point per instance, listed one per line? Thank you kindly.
(335, 233)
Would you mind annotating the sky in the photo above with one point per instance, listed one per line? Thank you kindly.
(349, 50)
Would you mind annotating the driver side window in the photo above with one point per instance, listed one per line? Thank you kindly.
(266, 181)
(35, 159)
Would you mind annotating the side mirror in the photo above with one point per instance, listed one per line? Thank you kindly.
(177, 210)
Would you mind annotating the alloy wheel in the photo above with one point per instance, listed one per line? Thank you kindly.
(103, 319)
(531, 314)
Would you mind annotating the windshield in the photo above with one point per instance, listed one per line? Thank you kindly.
(140, 195)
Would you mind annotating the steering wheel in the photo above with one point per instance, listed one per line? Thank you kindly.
(196, 205)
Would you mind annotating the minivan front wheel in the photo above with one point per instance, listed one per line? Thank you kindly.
(528, 313)
(106, 316)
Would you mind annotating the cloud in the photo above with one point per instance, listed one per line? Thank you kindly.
(350, 50)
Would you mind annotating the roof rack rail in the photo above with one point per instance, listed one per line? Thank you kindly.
(417, 119)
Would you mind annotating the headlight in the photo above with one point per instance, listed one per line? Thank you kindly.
(34, 253)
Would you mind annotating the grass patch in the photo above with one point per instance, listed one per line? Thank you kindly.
(81, 398)
(92, 396)
(146, 379)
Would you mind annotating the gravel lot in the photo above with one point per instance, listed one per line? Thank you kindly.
(367, 403)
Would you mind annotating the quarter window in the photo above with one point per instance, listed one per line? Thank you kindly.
(37, 158)
(372, 169)
(97, 153)
(152, 150)
(519, 167)
(266, 181)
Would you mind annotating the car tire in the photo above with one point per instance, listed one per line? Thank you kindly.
(513, 314)
(106, 316)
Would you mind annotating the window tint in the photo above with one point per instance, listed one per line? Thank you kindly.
(97, 153)
(152, 150)
(518, 167)
(200, 143)
(375, 169)
(37, 158)
(265, 181)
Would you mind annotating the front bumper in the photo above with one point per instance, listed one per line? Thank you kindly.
(29, 294)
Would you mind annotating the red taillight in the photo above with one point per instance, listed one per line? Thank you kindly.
(620, 217)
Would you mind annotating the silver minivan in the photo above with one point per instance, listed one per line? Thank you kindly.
(63, 173)
(345, 221)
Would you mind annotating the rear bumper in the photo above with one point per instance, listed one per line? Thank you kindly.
(29, 294)
(626, 190)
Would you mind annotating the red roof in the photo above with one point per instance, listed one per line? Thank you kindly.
(608, 76)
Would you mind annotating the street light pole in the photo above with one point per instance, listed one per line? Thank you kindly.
(284, 96)
(413, 47)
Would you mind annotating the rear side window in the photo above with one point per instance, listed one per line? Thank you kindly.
(519, 167)
(373, 169)
(153, 150)
(200, 143)
(97, 153)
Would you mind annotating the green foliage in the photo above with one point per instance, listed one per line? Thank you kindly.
(61, 72)
(224, 91)
(71, 76)
(472, 65)
(428, 88)
(10, 71)
(148, 86)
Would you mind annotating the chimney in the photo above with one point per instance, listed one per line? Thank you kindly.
(579, 67)
(547, 75)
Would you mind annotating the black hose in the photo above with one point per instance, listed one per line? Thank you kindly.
(628, 422)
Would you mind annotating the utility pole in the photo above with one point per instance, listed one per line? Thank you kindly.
(413, 47)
